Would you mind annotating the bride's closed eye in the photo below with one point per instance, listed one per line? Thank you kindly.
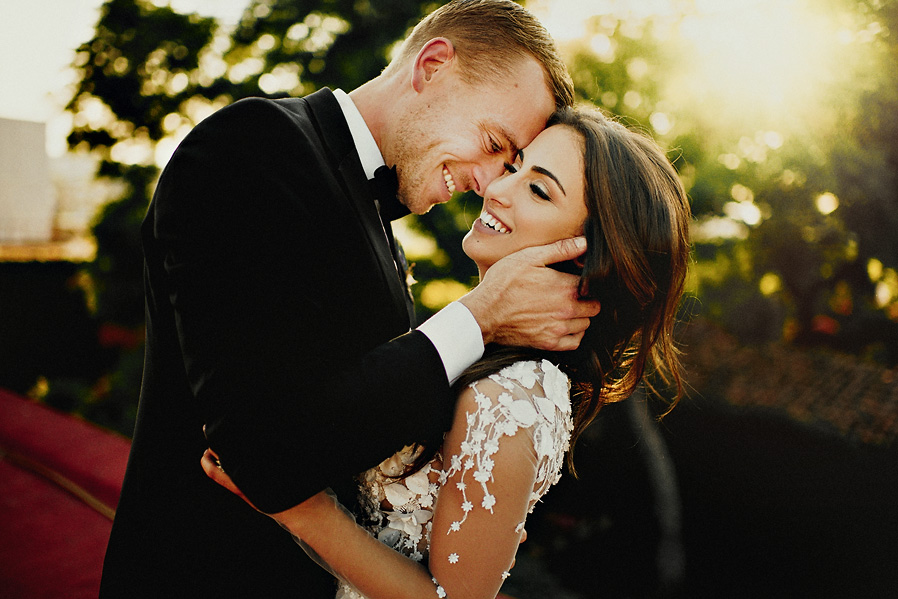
(540, 191)
(513, 168)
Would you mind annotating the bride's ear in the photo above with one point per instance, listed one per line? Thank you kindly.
(435, 56)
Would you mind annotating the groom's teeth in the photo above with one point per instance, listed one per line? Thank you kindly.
(490, 221)
(450, 184)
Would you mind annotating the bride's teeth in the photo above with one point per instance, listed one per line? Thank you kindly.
(490, 221)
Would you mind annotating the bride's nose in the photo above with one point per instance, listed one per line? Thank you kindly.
(499, 190)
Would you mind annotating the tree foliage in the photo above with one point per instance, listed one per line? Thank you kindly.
(820, 262)
(773, 261)
(147, 77)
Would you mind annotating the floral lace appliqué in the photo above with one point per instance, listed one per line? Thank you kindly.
(533, 396)
(399, 511)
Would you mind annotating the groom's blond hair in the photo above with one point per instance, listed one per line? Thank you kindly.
(490, 38)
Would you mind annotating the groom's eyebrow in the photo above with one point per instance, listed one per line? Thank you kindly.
(509, 137)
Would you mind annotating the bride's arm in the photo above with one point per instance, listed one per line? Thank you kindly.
(348, 550)
(478, 518)
(481, 508)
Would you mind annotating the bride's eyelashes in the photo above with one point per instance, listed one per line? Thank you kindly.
(535, 188)
(539, 191)
(511, 168)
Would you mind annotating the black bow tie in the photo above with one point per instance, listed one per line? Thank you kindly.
(384, 186)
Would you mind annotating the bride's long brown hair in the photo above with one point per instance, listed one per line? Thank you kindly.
(635, 265)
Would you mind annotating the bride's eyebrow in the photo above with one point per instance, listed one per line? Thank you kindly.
(548, 173)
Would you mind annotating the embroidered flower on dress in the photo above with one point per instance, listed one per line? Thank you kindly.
(409, 523)
(527, 396)
(505, 399)
(481, 476)
(523, 412)
(522, 372)
(504, 382)
(557, 386)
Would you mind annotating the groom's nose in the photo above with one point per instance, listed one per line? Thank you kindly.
(485, 172)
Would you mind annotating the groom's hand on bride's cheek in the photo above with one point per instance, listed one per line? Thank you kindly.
(523, 302)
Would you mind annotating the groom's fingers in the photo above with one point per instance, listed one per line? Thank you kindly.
(564, 250)
(521, 302)
(559, 251)
(570, 342)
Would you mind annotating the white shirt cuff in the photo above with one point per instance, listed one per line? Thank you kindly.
(456, 336)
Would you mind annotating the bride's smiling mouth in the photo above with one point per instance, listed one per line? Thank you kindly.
(493, 223)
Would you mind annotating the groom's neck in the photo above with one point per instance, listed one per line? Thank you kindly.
(378, 101)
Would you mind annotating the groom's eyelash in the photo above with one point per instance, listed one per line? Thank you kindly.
(499, 139)
(494, 146)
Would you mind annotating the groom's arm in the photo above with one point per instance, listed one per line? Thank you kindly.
(282, 313)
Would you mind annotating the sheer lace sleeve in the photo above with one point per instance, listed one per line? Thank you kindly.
(463, 514)
(504, 451)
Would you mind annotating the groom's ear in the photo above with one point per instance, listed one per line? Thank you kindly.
(434, 56)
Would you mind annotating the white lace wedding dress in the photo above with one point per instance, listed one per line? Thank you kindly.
(517, 421)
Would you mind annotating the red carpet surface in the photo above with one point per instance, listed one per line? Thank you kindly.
(60, 479)
(59, 484)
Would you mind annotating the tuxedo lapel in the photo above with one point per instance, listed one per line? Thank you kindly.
(331, 126)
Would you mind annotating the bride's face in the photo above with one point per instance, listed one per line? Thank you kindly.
(540, 199)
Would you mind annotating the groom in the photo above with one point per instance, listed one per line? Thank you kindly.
(277, 316)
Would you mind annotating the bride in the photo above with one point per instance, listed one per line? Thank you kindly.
(446, 521)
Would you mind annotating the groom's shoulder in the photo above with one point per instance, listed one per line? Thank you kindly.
(257, 110)
(249, 125)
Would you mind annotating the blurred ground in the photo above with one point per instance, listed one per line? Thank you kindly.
(791, 492)
(777, 477)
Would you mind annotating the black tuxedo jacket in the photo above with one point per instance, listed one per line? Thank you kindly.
(276, 317)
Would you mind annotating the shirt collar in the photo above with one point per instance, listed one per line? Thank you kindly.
(364, 142)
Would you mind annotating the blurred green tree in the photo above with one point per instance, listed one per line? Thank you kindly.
(813, 261)
(794, 224)
(146, 78)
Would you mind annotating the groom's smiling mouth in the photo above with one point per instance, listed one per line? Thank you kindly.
(493, 223)
(450, 182)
